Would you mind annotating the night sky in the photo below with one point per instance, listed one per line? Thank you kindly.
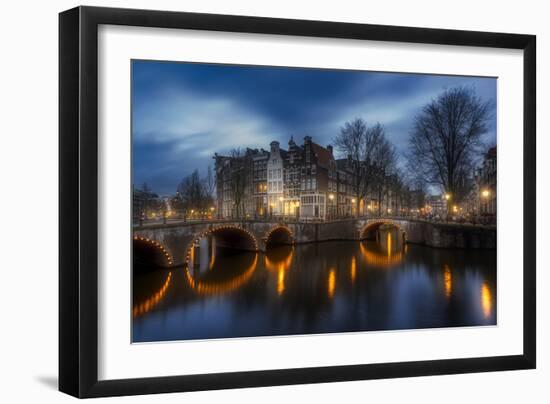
(185, 112)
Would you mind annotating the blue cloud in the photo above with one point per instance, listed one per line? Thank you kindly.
(184, 112)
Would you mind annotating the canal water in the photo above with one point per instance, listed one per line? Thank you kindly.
(340, 286)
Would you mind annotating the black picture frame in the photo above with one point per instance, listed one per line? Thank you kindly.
(78, 196)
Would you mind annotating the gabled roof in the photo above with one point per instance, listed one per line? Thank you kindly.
(323, 155)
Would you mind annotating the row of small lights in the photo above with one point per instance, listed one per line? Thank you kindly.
(205, 288)
(210, 231)
(148, 304)
(280, 227)
(158, 245)
(365, 228)
(381, 260)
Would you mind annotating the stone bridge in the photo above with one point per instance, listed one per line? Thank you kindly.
(175, 241)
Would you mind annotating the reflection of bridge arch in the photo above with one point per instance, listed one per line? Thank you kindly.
(279, 235)
(217, 288)
(380, 258)
(153, 300)
(373, 226)
(227, 236)
(140, 242)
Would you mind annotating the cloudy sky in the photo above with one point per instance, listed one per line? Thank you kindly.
(185, 112)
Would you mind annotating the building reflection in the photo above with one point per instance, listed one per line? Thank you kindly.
(447, 280)
(353, 269)
(279, 260)
(152, 301)
(486, 300)
(331, 282)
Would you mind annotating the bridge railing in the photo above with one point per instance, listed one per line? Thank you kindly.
(295, 220)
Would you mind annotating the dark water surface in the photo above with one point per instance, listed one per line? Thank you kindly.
(338, 286)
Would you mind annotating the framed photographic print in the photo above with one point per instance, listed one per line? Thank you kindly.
(251, 201)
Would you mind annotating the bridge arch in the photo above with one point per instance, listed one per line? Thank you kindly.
(150, 252)
(279, 235)
(226, 235)
(368, 229)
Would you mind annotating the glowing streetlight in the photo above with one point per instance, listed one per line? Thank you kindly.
(331, 197)
(353, 200)
(485, 193)
(447, 196)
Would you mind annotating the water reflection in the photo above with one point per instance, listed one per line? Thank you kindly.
(316, 288)
(279, 260)
(331, 282)
(218, 282)
(448, 280)
(383, 255)
(145, 305)
(486, 299)
(353, 269)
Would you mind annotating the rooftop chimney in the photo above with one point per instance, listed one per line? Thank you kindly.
(274, 146)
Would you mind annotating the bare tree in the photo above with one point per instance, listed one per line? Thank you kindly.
(239, 178)
(149, 200)
(384, 165)
(446, 139)
(191, 192)
(209, 184)
(361, 144)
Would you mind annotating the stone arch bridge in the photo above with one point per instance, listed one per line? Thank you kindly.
(175, 240)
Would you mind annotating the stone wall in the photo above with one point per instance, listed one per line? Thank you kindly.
(177, 238)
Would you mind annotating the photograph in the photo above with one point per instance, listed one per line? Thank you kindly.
(274, 201)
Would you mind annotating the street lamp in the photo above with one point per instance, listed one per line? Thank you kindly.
(485, 195)
(447, 198)
(331, 197)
